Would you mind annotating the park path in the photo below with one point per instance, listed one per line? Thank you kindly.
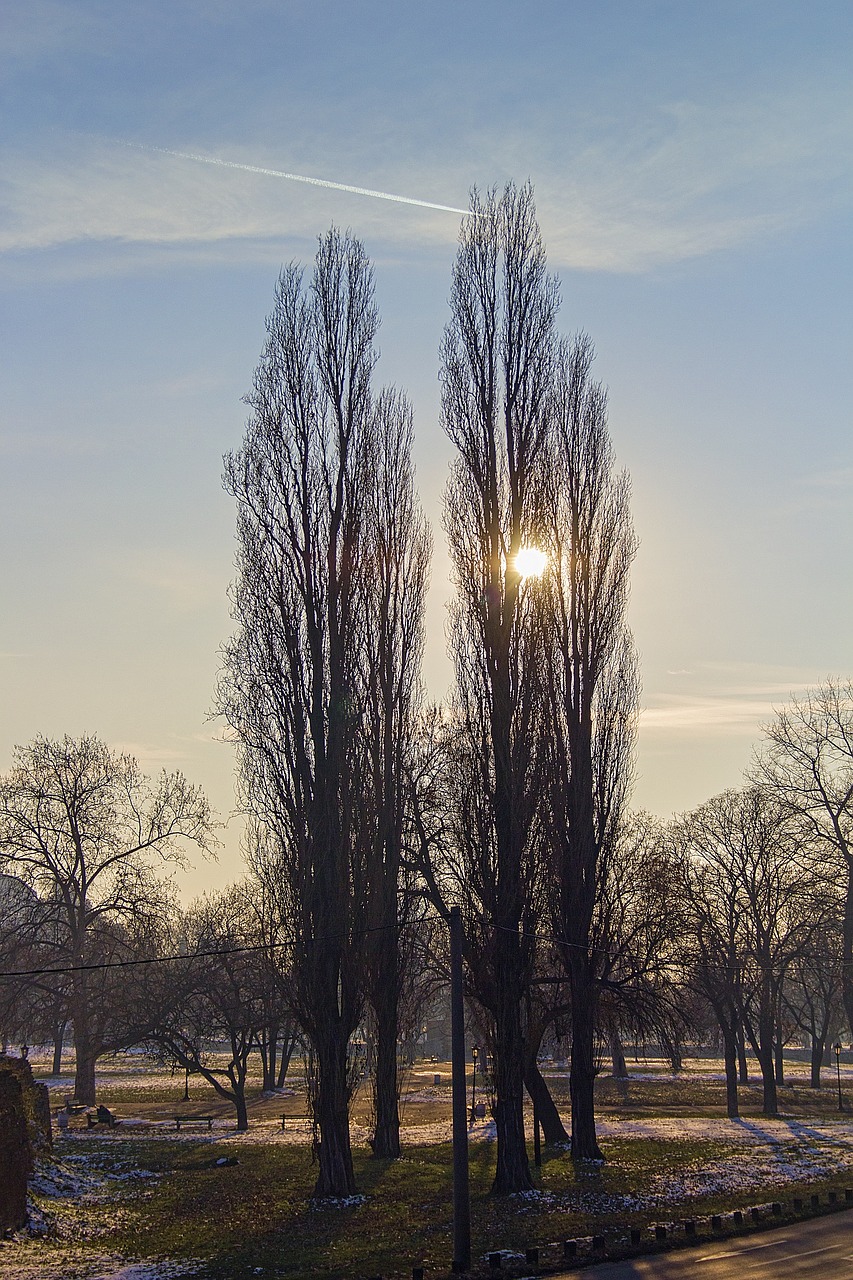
(821, 1248)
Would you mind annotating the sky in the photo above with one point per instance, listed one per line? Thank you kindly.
(693, 170)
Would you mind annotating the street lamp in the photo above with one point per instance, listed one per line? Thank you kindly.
(473, 1083)
(25, 1050)
(186, 1083)
(838, 1075)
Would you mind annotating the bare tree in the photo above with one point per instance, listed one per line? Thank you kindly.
(292, 670)
(188, 1006)
(81, 825)
(807, 761)
(753, 888)
(397, 550)
(496, 362)
(592, 692)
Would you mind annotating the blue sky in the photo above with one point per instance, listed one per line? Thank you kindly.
(693, 167)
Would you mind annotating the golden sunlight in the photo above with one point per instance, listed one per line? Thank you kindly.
(530, 562)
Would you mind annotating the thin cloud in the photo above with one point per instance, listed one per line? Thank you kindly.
(685, 180)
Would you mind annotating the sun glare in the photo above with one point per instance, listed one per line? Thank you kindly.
(530, 562)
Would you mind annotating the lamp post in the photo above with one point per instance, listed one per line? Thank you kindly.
(838, 1075)
(186, 1083)
(25, 1050)
(473, 1083)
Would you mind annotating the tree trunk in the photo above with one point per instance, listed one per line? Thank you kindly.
(331, 1112)
(268, 1045)
(84, 1049)
(545, 1107)
(743, 1064)
(582, 1073)
(287, 1047)
(513, 1168)
(617, 1054)
(779, 1065)
(818, 1047)
(58, 1039)
(239, 1099)
(730, 1058)
(386, 1135)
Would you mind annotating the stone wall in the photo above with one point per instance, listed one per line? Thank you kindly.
(24, 1131)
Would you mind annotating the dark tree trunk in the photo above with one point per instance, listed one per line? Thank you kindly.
(583, 1070)
(58, 1040)
(331, 1112)
(386, 1135)
(84, 1048)
(287, 1047)
(730, 1059)
(267, 1047)
(513, 1168)
(546, 1109)
(743, 1064)
(239, 1100)
(763, 1047)
(817, 1051)
(617, 1054)
(779, 1065)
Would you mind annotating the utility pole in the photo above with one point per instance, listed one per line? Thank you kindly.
(461, 1194)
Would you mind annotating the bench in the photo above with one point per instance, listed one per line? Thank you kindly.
(179, 1120)
(296, 1120)
(103, 1115)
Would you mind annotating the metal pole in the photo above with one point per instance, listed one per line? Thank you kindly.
(838, 1074)
(537, 1145)
(186, 1084)
(461, 1195)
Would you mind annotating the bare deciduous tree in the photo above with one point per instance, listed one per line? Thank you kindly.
(292, 670)
(807, 761)
(81, 825)
(496, 362)
(397, 550)
(592, 693)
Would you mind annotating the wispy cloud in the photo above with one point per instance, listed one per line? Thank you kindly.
(683, 180)
(724, 698)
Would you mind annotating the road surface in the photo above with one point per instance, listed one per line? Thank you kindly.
(822, 1247)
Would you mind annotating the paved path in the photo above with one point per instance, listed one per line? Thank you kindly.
(821, 1247)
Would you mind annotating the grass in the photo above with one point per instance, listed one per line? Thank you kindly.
(258, 1214)
(256, 1218)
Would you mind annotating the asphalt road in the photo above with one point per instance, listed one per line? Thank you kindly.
(821, 1247)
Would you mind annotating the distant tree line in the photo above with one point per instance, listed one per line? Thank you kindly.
(370, 814)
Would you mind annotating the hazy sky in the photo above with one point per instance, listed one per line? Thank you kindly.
(693, 166)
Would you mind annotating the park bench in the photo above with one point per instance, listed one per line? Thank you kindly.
(103, 1115)
(296, 1120)
(179, 1120)
(72, 1106)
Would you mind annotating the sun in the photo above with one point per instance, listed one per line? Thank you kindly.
(530, 562)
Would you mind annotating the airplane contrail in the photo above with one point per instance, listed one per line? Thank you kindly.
(301, 177)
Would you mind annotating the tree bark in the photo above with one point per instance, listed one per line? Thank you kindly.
(583, 1071)
(84, 1049)
(335, 1178)
(553, 1128)
(58, 1040)
(513, 1168)
(743, 1063)
(817, 1051)
(386, 1135)
(730, 1058)
(617, 1054)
